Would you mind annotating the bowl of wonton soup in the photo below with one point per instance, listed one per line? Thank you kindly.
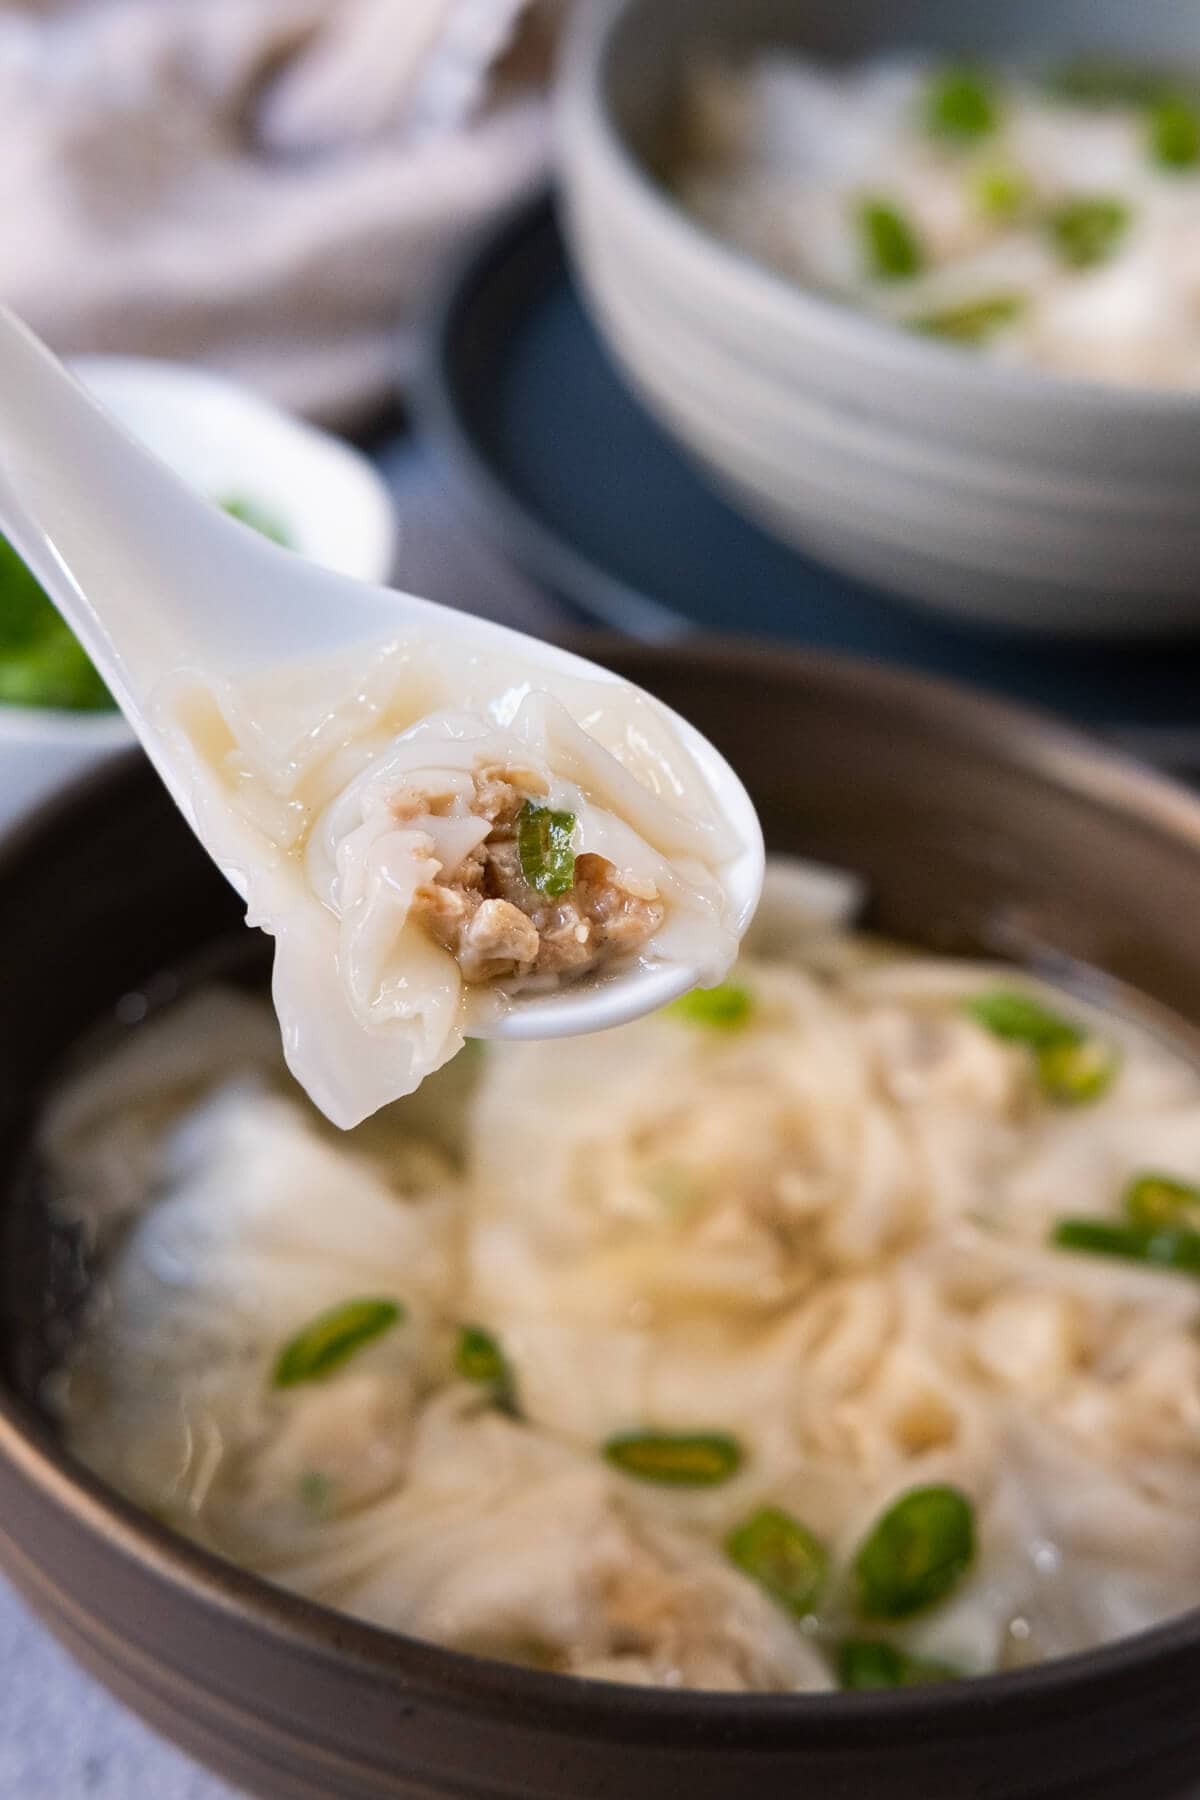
(973, 830)
(1050, 498)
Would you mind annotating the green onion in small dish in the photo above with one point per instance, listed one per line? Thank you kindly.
(42, 662)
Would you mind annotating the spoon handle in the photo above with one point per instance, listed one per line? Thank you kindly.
(104, 525)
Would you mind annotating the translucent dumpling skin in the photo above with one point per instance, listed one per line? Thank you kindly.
(426, 841)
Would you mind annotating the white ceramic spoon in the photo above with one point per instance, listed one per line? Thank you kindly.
(151, 576)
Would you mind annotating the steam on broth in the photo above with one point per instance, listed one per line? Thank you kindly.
(428, 836)
(837, 1325)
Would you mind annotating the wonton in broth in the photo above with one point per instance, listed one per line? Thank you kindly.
(838, 1325)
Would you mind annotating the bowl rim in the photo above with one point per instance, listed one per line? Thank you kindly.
(341, 464)
(455, 447)
(583, 109)
(1022, 737)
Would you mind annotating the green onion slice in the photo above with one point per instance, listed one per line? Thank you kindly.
(724, 1008)
(55, 672)
(961, 105)
(783, 1556)
(41, 662)
(867, 1663)
(1077, 1074)
(544, 844)
(326, 1343)
(25, 608)
(1178, 1251)
(1174, 132)
(891, 247)
(1071, 1069)
(260, 518)
(1156, 1201)
(1001, 191)
(478, 1357)
(974, 321)
(1020, 1019)
(1088, 230)
(916, 1554)
(676, 1458)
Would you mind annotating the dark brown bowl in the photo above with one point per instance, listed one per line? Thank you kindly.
(974, 824)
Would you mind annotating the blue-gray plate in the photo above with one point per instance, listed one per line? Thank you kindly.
(526, 409)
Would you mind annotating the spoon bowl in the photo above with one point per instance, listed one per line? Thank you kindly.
(152, 577)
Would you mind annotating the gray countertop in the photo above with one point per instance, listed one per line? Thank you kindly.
(61, 1736)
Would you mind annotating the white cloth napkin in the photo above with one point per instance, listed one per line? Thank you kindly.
(267, 186)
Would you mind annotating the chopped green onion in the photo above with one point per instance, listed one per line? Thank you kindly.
(41, 662)
(890, 244)
(974, 321)
(676, 1458)
(866, 1663)
(478, 1357)
(724, 1008)
(1178, 1251)
(324, 1344)
(1157, 1201)
(1174, 132)
(25, 607)
(315, 1491)
(1020, 1019)
(916, 1554)
(1002, 192)
(1096, 81)
(783, 1557)
(260, 518)
(1088, 229)
(544, 844)
(1077, 1074)
(1071, 1069)
(54, 672)
(961, 104)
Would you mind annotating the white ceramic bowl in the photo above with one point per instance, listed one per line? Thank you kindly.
(226, 442)
(1005, 495)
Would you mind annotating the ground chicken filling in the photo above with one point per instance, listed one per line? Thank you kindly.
(492, 918)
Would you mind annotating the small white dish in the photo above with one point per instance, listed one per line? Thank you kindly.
(41, 749)
(228, 443)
